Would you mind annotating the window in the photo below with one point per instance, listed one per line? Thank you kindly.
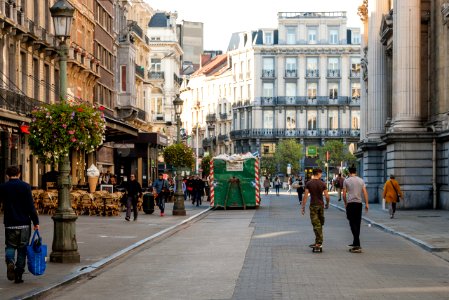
(312, 67)
(268, 67)
(355, 38)
(355, 90)
(312, 35)
(291, 35)
(23, 60)
(242, 120)
(311, 120)
(312, 88)
(268, 119)
(290, 67)
(333, 90)
(355, 122)
(123, 78)
(268, 38)
(333, 63)
(36, 78)
(355, 67)
(333, 36)
(156, 65)
(290, 119)
(290, 90)
(158, 106)
(268, 89)
(333, 119)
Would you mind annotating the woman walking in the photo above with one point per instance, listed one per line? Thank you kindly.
(392, 192)
(266, 185)
(277, 185)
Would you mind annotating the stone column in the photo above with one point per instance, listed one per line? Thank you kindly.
(406, 66)
(377, 91)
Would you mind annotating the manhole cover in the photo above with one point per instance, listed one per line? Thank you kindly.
(428, 216)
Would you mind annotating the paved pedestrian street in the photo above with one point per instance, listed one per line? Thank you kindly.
(264, 254)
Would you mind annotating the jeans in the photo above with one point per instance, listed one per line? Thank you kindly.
(130, 201)
(354, 215)
(160, 200)
(17, 240)
(277, 189)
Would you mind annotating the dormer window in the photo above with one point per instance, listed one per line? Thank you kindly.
(268, 38)
(291, 35)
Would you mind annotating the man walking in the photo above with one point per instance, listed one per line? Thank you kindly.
(19, 211)
(353, 188)
(338, 184)
(160, 187)
(316, 188)
(134, 192)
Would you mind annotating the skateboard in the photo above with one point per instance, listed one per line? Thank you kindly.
(316, 249)
(352, 250)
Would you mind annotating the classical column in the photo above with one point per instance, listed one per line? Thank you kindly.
(377, 92)
(406, 61)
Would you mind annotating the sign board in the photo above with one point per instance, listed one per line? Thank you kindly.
(289, 169)
(234, 166)
(312, 151)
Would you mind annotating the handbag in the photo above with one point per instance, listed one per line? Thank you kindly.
(295, 184)
(36, 255)
(397, 195)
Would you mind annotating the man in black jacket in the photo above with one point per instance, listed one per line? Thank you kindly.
(133, 191)
(19, 212)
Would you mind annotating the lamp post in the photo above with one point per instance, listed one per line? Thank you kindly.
(211, 127)
(64, 247)
(178, 207)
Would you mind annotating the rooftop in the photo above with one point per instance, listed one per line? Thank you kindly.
(311, 15)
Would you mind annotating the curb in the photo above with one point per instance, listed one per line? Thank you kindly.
(85, 271)
(390, 230)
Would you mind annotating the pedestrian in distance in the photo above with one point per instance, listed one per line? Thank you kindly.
(277, 185)
(338, 184)
(266, 185)
(316, 188)
(19, 212)
(198, 189)
(353, 190)
(300, 189)
(133, 193)
(290, 182)
(160, 189)
(392, 193)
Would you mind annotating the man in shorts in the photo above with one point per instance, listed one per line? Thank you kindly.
(316, 188)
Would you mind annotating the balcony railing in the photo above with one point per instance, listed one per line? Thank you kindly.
(354, 74)
(136, 28)
(294, 132)
(155, 75)
(291, 73)
(17, 103)
(223, 137)
(140, 71)
(141, 114)
(312, 73)
(333, 73)
(211, 118)
(223, 116)
(267, 73)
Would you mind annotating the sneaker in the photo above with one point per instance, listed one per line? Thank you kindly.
(314, 245)
(127, 219)
(339, 199)
(355, 249)
(162, 214)
(10, 271)
(390, 211)
(351, 246)
(18, 278)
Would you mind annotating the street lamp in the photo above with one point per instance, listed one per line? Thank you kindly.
(211, 127)
(178, 206)
(64, 247)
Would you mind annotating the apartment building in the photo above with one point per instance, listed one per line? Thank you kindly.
(300, 80)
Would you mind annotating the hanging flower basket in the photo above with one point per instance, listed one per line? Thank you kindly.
(55, 129)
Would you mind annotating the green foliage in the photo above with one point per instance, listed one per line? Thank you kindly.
(268, 165)
(339, 152)
(56, 129)
(205, 165)
(288, 152)
(179, 156)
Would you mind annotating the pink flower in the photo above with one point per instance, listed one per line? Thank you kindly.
(64, 125)
(71, 131)
(73, 139)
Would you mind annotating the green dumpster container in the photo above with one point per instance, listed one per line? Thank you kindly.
(235, 181)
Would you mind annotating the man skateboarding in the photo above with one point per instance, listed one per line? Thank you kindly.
(316, 188)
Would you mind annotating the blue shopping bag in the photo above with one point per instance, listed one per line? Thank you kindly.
(36, 255)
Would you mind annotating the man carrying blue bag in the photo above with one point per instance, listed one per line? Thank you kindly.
(19, 211)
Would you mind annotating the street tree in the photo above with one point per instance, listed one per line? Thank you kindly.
(339, 152)
(205, 165)
(267, 165)
(288, 151)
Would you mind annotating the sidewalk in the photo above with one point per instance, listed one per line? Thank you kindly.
(100, 241)
(426, 228)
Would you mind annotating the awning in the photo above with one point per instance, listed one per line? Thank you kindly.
(153, 138)
(119, 131)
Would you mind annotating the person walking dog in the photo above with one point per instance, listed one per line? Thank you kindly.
(19, 212)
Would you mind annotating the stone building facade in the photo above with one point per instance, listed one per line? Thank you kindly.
(405, 102)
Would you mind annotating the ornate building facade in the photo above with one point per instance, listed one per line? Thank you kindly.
(405, 103)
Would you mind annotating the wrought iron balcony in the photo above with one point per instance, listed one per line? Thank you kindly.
(355, 74)
(223, 137)
(333, 73)
(267, 100)
(140, 71)
(211, 118)
(223, 116)
(312, 73)
(141, 114)
(155, 75)
(267, 73)
(272, 133)
(134, 27)
(17, 103)
(291, 73)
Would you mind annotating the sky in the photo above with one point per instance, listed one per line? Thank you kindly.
(222, 18)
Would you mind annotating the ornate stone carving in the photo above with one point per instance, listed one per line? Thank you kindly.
(363, 11)
(445, 13)
(364, 63)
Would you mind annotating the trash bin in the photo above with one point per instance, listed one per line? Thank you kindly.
(148, 203)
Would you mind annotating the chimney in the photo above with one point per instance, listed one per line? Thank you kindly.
(205, 58)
